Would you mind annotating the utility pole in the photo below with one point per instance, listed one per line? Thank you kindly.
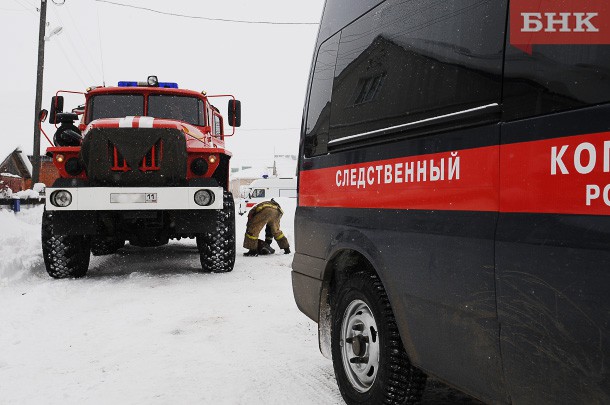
(39, 77)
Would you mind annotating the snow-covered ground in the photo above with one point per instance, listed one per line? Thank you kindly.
(145, 327)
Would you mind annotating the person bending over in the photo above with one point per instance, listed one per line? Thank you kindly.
(266, 214)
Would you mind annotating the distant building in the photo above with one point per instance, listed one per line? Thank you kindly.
(48, 171)
(15, 169)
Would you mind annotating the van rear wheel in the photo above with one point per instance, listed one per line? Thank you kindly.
(370, 363)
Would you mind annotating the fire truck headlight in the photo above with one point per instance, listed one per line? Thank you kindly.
(61, 198)
(204, 198)
(73, 167)
(153, 81)
(199, 167)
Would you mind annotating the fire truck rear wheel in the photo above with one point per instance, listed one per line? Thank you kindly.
(65, 256)
(101, 246)
(369, 359)
(217, 249)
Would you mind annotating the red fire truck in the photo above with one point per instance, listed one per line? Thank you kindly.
(147, 163)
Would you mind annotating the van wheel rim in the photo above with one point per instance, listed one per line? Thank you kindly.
(360, 345)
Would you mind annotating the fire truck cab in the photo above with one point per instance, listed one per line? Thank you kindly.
(147, 163)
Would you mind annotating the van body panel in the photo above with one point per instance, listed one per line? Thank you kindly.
(552, 259)
(307, 292)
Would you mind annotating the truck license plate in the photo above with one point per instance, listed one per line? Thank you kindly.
(131, 198)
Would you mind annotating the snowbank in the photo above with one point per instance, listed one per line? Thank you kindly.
(20, 249)
(27, 194)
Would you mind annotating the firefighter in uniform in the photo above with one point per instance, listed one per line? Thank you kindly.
(266, 214)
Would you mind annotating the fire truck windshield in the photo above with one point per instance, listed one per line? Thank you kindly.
(182, 108)
(115, 106)
(187, 109)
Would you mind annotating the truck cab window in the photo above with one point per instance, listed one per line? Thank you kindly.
(217, 125)
(115, 106)
(187, 109)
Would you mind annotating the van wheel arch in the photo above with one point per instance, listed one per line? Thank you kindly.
(398, 381)
(341, 264)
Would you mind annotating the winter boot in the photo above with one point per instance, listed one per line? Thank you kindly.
(264, 248)
(251, 252)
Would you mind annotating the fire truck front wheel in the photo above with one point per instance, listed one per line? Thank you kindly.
(65, 256)
(217, 248)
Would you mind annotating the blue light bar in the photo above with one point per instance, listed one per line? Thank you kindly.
(128, 84)
(168, 85)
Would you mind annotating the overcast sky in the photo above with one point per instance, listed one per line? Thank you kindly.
(265, 66)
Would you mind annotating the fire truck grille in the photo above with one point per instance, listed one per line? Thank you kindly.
(142, 157)
(150, 162)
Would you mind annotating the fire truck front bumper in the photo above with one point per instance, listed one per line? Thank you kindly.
(133, 198)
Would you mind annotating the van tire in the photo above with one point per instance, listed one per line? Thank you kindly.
(65, 256)
(396, 381)
(217, 249)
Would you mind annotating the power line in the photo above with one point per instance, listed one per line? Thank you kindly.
(68, 60)
(31, 10)
(206, 18)
(14, 10)
(30, 4)
(99, 37)
(74, 47)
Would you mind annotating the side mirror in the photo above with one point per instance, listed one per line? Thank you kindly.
(42, 116)
(57, 106)
(234, 113)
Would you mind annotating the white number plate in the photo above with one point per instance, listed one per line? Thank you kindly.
(131, 198)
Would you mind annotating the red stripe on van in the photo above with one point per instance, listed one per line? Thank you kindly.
(475, 185)
(529, 185)
(569, 175)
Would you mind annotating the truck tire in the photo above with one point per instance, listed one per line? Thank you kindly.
(217, 249)
(369, 359)
(101, 246)
(65, 256)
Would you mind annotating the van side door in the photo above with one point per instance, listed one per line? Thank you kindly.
(401, 164)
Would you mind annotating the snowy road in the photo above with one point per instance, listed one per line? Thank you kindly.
(144, 327)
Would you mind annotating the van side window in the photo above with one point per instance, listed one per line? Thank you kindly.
(409, 61)
(318, 114)
(555, 78)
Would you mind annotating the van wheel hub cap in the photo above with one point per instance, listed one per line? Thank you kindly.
(360, 345)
